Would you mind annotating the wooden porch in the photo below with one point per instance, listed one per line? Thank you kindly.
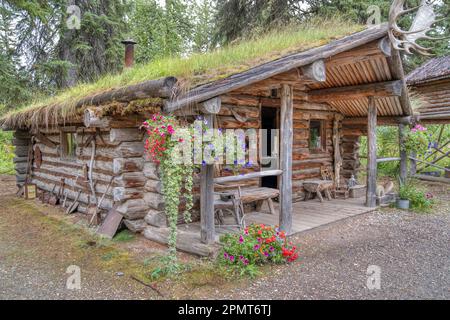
(306, 215)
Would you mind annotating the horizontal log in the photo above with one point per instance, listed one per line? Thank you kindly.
(248, 176)
(380, 160)
(130, 180)
(156, 218)
(133, 209)
(154, 200)
(121, 165)
(153, 186)
(186, 241)
(93, 118)
(380, 89)
(125, 134)
(136, 226)
(161, 88)
(431, 178)
(122, 194)
(150, 170)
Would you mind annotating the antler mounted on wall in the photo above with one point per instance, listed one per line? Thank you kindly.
(407, 40)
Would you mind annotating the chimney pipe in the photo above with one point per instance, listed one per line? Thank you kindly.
(129, 52)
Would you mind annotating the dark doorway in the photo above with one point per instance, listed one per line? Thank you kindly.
(269, 121)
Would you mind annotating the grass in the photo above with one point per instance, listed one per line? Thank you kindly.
(124, 236)
(197, 69)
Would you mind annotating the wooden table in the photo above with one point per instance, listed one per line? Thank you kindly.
(317, 186)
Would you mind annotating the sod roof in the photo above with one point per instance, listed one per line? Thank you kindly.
(194, 71)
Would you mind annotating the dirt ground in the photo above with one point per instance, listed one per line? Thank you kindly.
(38, 243)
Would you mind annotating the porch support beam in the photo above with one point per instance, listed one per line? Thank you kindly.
(371, 154)
(403, 153)
(207, 228)
(378, 89)
(286, 142)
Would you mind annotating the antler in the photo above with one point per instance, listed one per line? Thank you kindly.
(421, 25)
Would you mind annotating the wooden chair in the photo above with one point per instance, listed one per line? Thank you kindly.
(337, 192)
(229, 201)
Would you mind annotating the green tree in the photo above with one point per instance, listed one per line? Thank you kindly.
(94, 49)
(203, 13)
(160, 30)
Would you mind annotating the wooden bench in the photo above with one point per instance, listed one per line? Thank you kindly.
(233, 200)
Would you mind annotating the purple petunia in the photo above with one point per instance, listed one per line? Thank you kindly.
(256, 247)
(232, 258)
(241, 239)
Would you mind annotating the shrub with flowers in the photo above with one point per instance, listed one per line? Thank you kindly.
(176, 173)
(256, 245)
(416, 140)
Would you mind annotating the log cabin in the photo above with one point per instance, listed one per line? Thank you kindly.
(338, 91)
(431, 83)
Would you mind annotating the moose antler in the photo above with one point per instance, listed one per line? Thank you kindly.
(421, 25)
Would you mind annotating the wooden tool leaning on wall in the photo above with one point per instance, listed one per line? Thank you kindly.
(95, 212)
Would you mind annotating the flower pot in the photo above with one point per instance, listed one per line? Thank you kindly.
(402, 204)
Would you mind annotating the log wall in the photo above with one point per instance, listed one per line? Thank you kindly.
(21, 141)
(119, 154)
(350, 144)
(306, 164)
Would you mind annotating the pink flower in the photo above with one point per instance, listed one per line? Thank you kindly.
(170, 129)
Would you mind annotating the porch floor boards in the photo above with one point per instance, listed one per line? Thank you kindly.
(306, 215)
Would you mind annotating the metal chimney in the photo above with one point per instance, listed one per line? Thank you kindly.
(129, 52)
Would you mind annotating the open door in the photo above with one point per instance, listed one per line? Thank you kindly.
(269, 145)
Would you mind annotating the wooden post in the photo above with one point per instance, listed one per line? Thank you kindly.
(403, 154)
(413, 164)
(337, 150)
(207, 228)
(286, 141)
(371, 154)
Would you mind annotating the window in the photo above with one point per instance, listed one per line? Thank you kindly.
(68, 145)
(316, 135)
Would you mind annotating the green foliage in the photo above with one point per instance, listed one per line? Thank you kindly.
(416, 140)
(160, 31)
(203, 12)
(356, 10)
(176, 174)
(6, 153)
(420, 200)
(387, 146)
(124, 236)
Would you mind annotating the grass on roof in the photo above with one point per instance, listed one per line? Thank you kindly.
(199, 68)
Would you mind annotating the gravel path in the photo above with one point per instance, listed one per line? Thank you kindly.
(411, 250)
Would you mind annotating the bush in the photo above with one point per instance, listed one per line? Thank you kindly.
(256, 245)
(419, 199)
(6, 153)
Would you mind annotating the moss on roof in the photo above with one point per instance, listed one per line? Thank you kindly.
(193, 70)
